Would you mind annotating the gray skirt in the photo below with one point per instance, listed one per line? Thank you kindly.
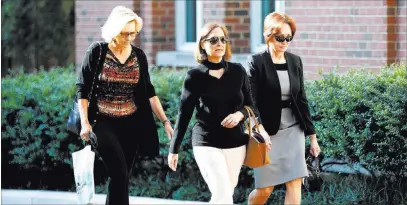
(287, 154)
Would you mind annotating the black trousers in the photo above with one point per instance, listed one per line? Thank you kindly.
(117, 145)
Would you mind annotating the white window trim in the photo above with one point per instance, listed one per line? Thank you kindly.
(255, 22)
(181, 43)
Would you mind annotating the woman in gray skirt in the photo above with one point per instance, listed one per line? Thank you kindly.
(277, 85)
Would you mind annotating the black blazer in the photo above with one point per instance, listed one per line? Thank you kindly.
(266, 91)
(144, 90)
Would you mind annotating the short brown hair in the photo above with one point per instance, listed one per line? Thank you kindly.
(200, 53)
(273, 23)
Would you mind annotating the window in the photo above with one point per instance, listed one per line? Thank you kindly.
(267, 7)
(190, 7)
(188, 19)
(256, 20)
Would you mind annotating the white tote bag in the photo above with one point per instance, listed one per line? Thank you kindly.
(83, 161)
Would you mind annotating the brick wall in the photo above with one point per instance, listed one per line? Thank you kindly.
(348, 34)
(90, 16)
(238, 23)
(213, 11)
(159, 30)
(235, 16)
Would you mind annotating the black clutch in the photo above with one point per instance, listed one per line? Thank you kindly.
(313, 183)
(93, 140)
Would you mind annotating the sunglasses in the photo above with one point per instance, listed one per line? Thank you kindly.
(281, 39)
(214, 40)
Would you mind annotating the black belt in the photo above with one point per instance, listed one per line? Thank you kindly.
(285, 103)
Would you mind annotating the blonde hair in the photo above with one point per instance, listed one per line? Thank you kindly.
(116, 21)
(200, 53)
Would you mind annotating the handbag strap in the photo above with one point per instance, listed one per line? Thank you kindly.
(248, 125)
(252, 115)
(95, 73)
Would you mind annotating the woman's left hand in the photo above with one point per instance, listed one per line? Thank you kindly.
(314, 146)
(168, 129)
(232, 120)
(267, 140)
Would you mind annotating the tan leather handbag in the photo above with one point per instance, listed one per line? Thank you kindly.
(256, 154)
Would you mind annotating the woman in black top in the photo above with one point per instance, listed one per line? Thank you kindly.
(218, 89)
(278, 92)
(120, 110)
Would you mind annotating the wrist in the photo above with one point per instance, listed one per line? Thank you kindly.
(240, 114)
(166, 121)
(85, 122)
(313, 137)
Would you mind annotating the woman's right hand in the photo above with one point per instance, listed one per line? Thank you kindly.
(172, 161)
(85, 129)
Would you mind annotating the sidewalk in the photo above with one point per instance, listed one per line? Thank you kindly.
(55, 197)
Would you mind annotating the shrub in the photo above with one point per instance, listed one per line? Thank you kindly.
(34, 140)
(34, 113)
(361, 117)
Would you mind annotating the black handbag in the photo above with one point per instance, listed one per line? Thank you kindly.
(74, 119)
(313, 183)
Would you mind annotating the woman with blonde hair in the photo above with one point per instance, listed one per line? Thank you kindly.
(218, 90)
(277, 82)
(117, 100)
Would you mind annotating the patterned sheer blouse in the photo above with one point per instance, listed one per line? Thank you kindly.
(117, 83)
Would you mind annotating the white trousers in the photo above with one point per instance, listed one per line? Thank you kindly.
(220, 169)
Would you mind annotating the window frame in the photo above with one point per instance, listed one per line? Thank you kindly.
(255, 21)
(181, 43)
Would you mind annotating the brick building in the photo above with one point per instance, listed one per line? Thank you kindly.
(331, 33)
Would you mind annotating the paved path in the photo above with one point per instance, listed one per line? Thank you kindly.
(56, 197)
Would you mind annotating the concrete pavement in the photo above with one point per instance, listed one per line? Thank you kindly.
(56, 197)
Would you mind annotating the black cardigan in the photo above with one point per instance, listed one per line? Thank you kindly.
(143, 91)
(266, 91)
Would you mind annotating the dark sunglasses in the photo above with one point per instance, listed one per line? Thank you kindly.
(281, 39)
(214, 40)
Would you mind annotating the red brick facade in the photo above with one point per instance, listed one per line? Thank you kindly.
(237, 20)
(348, 34)
(90, 16)
(159, 30)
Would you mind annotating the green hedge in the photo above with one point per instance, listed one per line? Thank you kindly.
(359, 116)
(34, 112)
(35, 143)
